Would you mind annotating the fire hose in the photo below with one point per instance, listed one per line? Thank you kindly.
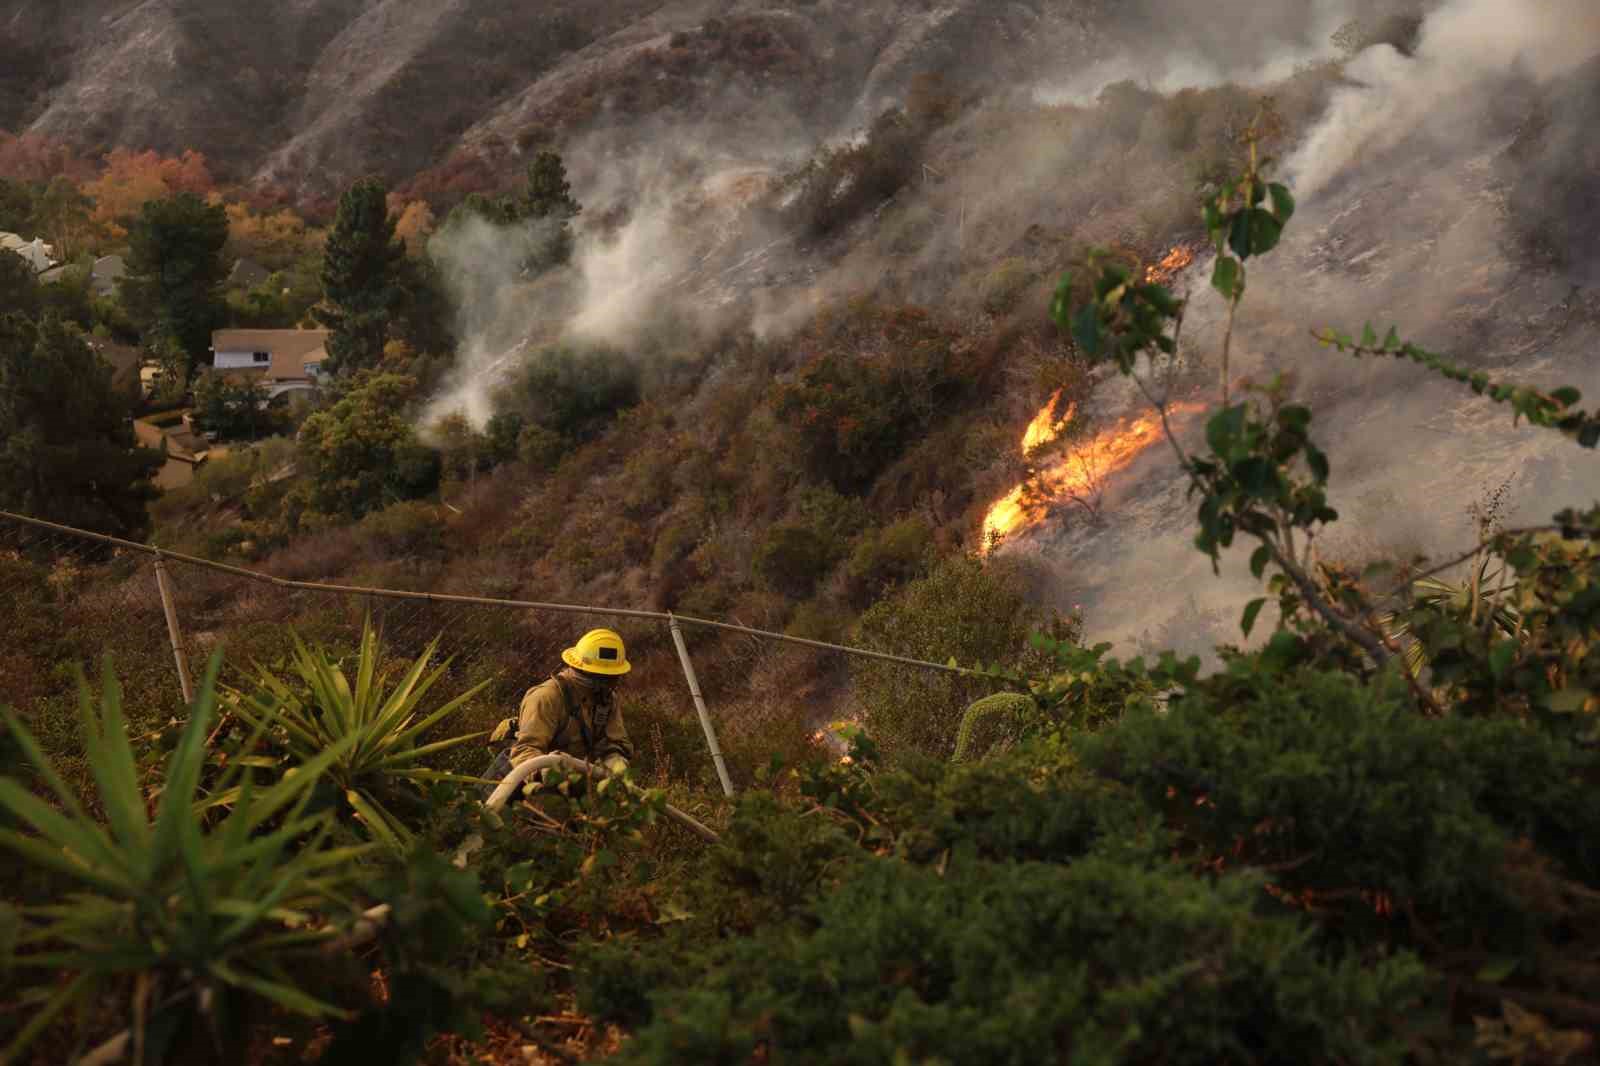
(520, 773)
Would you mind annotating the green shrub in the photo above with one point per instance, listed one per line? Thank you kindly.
(967, 609)
(890, 556)
(573, 393)
(407, 529)
(539, 447)
(815, 620)
(1364, 796)
(999, 913)
(1005, 284)
(793, 559)
(883, 377)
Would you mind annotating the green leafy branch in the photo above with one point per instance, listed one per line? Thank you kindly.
(1556, 409)
(1240, 220)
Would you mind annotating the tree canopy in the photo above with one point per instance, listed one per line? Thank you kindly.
(67, 450)
(362, 453)
(363, 278)
(175, 271)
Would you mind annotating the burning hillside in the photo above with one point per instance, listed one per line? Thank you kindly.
(1079, 474)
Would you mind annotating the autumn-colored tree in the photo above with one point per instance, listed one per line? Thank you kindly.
(275, 239)
(415, 225)
(132, 179)
(35, 158)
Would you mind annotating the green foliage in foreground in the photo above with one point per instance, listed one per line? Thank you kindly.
(1287, 864)
(182, 916)
(374, 729)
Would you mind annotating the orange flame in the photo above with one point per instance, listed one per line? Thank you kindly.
(1079, 475)
(1045, 426)
(1175, 262)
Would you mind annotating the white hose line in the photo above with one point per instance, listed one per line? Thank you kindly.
(519, 775)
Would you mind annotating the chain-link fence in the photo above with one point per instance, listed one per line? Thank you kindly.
(68, 597)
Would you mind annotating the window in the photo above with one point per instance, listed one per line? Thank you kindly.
(261, 357)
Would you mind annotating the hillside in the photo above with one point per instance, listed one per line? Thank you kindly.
(309, 95)
(915, 326)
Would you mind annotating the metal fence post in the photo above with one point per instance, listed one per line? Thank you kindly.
(164, 583)
(700, 705)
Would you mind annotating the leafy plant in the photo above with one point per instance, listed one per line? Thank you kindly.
(181, 915)
(375, 730)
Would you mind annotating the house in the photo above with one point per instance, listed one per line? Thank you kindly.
(105, 273)
(126, 365)
(185, 449)
(247, 274)
(287, 360)
(40, 256)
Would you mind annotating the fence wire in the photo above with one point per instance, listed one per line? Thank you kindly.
(69, 597)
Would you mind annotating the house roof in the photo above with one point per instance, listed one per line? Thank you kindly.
(291, 349)
(186, 445)
(124, 358)
(293, 367)
(247, 273)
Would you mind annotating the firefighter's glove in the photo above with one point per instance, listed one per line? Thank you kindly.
(615, 765)
(503, 730)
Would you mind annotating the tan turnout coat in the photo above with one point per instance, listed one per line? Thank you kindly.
(547, 723)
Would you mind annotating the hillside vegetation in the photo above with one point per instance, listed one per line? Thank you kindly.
(1360, 832)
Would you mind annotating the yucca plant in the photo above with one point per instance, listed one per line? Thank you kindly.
(186, 912)
(1480, 600)
(317, 708)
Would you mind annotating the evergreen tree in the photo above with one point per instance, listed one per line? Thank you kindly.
(547, 205)
(16, 207)
(67, 450)
(549, 194)
(363, 278)
(175, 272)
(19, 290)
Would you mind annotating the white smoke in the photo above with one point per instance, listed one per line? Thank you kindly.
(1465, 46)
(620, 284)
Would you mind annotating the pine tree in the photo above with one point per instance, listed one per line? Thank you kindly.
(548, 193)
(363, 278)
(548, 206)
(176, 270)
(67, 450)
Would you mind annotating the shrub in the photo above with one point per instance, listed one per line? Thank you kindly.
(884, 376)
(840, 184)
(968, 610)
(1000, 913)
(410, 528)
(539, 447)
(890, 556)
(573, 393)
(793, 559)
(1005, 284)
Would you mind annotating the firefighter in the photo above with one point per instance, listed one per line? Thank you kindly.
(574, 712)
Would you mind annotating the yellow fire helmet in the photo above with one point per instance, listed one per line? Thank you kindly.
(598, 651)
